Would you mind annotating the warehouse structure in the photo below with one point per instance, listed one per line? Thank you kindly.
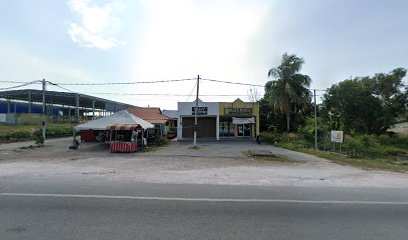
(64, 105)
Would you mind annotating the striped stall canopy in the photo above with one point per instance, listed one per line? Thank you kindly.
(129, 127)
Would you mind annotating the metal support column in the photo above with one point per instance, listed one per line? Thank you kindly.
(29, 102)
(77, 106)
(93, 109)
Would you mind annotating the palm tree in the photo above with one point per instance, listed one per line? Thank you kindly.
(288, 89)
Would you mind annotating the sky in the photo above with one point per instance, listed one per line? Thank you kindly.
(113, 41)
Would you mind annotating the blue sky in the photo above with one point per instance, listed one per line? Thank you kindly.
(85, 41)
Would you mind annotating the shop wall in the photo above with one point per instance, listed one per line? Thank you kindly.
(185, 110)
(238, 103)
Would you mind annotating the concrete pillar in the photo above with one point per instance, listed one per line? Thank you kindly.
(8, 105)
(69, 113)
(179, 128)
(30, 103)
(217, 125)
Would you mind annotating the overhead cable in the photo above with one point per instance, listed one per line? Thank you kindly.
(168, 94)
(126, 83)
(21, 85)
(236, 83)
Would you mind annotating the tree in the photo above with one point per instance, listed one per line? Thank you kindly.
(253, 95)
(288, 91)
(366, 105)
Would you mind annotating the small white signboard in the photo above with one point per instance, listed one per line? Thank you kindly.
(337, 136)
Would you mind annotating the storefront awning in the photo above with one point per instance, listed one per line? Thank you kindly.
(128, 127)
(243, 120)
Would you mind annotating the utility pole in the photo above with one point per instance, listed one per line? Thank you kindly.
(196, 113)
(43, 110)
(315, 117)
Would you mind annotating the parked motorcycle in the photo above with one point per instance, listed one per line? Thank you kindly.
(259, 139)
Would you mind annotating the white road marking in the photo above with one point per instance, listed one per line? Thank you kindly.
(52, 195)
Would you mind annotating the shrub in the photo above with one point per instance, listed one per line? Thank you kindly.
(38, 137)
(23, 134)
(271, 138)
(58, 131)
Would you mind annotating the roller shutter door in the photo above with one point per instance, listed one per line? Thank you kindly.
(206, 127)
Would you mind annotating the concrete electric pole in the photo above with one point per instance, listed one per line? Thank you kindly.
(196, 112)
(43, 110)
(315, 117)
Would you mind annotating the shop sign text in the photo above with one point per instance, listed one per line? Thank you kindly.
(201, 111)
(238, 111)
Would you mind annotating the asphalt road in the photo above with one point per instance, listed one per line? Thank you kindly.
(78, 210)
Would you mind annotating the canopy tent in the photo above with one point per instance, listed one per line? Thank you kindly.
(120, 127)
(121, 117)
(243, 120)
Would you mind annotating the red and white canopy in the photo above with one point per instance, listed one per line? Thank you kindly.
(128, 127)
(121, 117)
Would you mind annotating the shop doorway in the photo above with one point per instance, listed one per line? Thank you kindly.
(244, 130)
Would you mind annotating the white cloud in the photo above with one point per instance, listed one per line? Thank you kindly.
(98, 25)
(37, 67)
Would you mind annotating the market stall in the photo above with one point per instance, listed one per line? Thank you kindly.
(124, 137)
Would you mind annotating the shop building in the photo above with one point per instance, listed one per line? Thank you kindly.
(218, 119)
(239, 119)
(207, 118)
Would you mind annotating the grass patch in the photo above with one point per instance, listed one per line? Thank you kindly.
(368, 163)
(272, 158)
(384, 152)
(11, 133)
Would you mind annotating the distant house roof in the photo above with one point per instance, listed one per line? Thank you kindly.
(170, 113)
(150, 114)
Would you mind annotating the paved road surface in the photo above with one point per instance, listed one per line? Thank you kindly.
(63, 210)
(176, 193)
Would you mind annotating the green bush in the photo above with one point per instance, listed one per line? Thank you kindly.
(356, 145)
(20, 135)
(271, 138)
(394, 140)
(16, 136)
(38, 137)
(58, 131)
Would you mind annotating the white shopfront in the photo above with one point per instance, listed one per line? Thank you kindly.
(208, 120)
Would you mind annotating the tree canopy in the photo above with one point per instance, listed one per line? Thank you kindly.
(288, 89)
(366, 105)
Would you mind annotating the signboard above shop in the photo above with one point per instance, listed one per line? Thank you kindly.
(201, 111)
(238, 111)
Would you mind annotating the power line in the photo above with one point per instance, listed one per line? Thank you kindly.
(169, 94)
(125, 83)
(54, 84)
(236, 83)
(21, 85)
(188, 98)
(9, 81)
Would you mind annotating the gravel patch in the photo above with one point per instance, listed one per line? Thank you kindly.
(213, 163)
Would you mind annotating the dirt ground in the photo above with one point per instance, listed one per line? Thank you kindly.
(224, 162)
